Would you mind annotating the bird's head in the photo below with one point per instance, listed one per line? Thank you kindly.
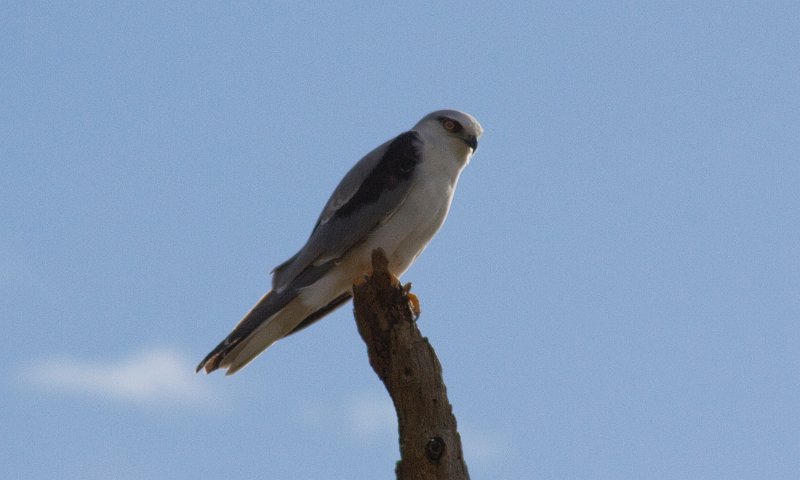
(458, 129)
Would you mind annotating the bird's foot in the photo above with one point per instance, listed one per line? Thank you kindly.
(413, 300)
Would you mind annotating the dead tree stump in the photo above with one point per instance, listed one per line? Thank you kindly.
(430, 446)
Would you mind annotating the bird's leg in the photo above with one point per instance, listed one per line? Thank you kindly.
(413, 300)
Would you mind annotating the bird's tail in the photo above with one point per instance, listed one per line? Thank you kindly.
(273, 317)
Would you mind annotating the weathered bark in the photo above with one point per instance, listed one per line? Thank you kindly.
(430, 447)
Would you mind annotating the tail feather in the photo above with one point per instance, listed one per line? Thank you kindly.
(276, 315)
(275, 328)
(333, 305)
(255, 325)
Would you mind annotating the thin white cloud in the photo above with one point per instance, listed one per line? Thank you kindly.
(366, 414)
(154, 376)
(483, 447)
(371, 414)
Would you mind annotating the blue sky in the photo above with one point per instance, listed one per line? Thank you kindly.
(614, 294)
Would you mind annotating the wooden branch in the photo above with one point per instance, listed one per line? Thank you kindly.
(430, 446)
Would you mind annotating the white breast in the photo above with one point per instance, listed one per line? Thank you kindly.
(406, 234)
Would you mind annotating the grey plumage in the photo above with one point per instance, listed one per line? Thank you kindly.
(363, 212)
(387, 169)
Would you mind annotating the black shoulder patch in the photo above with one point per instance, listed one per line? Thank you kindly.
(397, 165)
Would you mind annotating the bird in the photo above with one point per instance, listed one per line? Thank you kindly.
(395, 198)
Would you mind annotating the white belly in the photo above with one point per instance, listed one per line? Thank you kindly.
(408, 231)
(403, 237)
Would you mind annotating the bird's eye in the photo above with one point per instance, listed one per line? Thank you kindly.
(451, 125)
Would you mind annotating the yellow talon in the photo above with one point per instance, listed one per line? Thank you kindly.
(414, 301)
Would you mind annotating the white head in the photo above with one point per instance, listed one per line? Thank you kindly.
(456, 130)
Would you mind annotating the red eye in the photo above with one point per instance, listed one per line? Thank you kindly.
(451, 125)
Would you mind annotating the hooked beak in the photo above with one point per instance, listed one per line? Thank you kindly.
(472, 142)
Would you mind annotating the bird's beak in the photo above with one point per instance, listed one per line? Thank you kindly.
(472, 142)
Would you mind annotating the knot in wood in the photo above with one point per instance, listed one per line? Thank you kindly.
(435, 449)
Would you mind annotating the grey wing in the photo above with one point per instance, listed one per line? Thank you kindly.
(370, 192)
